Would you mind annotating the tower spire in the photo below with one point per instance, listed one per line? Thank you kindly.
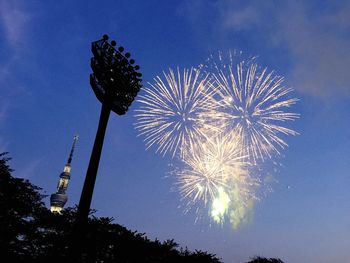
(75, 139)
(59, 199)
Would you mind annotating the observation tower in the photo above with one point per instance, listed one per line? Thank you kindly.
(59, 199)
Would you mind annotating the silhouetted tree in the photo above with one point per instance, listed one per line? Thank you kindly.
(29, 232)
(265, 260)
(20, 205)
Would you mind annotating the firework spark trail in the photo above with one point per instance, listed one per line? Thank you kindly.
(216, 175)
(253, 104)
(171, 112)
(208, 167)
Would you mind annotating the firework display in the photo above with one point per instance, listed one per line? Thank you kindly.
(221, 121)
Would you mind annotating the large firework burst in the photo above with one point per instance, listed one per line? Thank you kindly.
(254, 104)
(171, 112)
(218, 123)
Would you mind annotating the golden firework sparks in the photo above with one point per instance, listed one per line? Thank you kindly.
(209, 166)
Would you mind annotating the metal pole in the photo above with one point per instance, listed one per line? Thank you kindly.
(78, 239)
(88, 188)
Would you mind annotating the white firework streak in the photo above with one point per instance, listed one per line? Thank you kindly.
(253, 104)
(171, 111)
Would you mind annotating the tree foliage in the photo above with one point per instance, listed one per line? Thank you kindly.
(265, 260)
(20, 206)
(29, 232)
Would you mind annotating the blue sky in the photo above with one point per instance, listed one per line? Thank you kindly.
(46, 99)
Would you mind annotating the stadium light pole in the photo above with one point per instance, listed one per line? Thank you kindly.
(115, 81)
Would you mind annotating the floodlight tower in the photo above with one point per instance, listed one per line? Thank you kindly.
(115, 81)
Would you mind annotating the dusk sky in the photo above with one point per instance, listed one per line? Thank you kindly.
(46, 99)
